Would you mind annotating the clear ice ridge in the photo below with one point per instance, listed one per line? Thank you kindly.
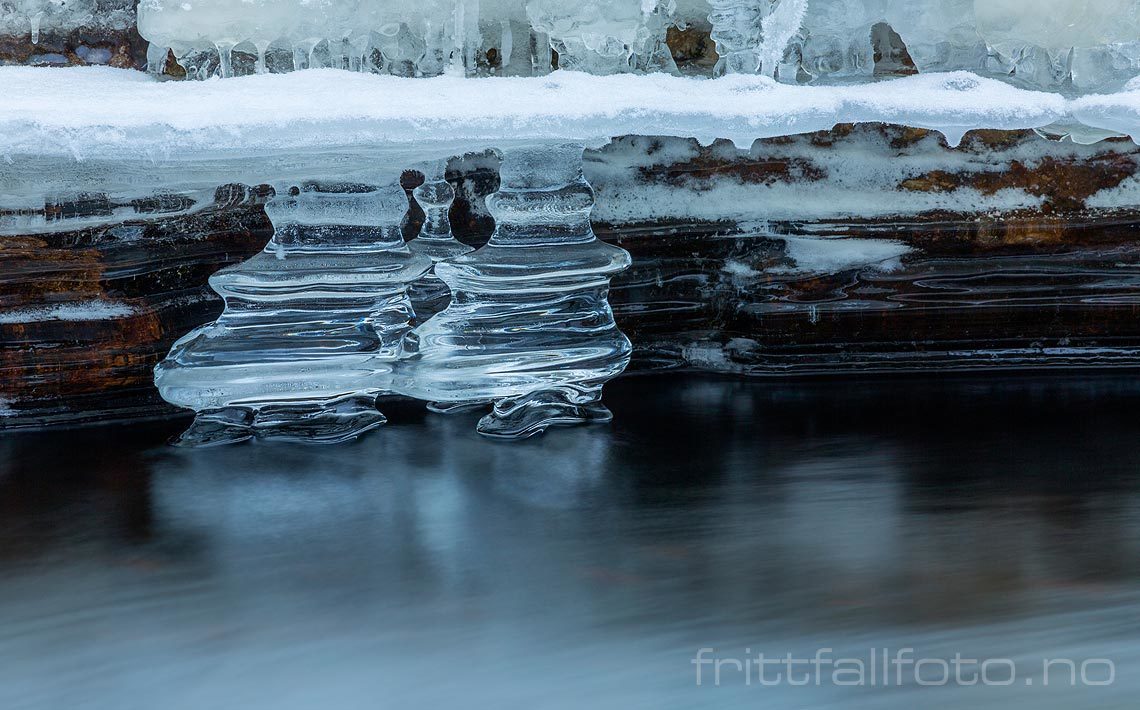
(120, 115)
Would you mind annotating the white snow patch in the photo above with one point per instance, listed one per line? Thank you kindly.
(824, 255)
(79, 311)
(732, 199)
(741, 345)
(739, 270)
(6, 409)
(710, 355)
(100, 112)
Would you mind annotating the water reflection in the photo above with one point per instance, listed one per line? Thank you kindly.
(427, 566)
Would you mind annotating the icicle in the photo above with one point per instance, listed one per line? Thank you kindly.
(336, 53)
(456, 66)
(738, 35)
(778, 29)
(156, 58)
(312, 52)
(507, 45)
(225, 58)
(360, 43)
(543, 54)
(953, 135)
(36, 18)
(430, 295)
(471, 37)
(262, 45)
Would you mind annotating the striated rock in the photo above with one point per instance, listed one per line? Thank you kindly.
(86, 314)
(863, 248)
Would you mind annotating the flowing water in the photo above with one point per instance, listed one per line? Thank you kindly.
(425, 566)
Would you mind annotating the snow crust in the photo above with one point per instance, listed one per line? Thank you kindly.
(99, 112)
(79, 311)
(824, 255)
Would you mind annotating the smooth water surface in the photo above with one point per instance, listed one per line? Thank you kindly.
(425, 566)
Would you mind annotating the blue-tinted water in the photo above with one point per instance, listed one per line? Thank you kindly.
(425, 566)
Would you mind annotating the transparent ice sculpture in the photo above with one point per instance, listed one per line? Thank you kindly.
(311, 324)
(607, 36)
(430, 295)
(529, 327)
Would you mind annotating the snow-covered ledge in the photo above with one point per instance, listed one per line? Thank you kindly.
(102, 113)
(122, 132)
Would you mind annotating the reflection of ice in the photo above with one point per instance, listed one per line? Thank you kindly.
(529, 327)
(311, 324)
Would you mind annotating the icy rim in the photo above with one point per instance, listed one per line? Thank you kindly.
(97, 112)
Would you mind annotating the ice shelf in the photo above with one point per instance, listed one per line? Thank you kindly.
(100, 113)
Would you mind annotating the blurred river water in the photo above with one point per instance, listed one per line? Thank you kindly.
(979, 518)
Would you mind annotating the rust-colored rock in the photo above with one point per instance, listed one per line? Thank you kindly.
(126, 48)
(692, 47)
(153, 271)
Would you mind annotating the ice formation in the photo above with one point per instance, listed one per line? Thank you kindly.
(1045, 43)
(317, 325)
(606, 36)
(1079, 45)
(736, 29)
(32, 17)
(430, 295)
(752, 35)
(1088, 44)
(311, 327)
(338, 310)
(407, 38)
(529, 328)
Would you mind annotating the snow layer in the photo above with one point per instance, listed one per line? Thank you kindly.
(828, 256)
(98, 112)
(80, 311)
(1119, 112)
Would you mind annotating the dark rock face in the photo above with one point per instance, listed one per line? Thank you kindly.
(60, 358)
(1000, 253)
(734, 305)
